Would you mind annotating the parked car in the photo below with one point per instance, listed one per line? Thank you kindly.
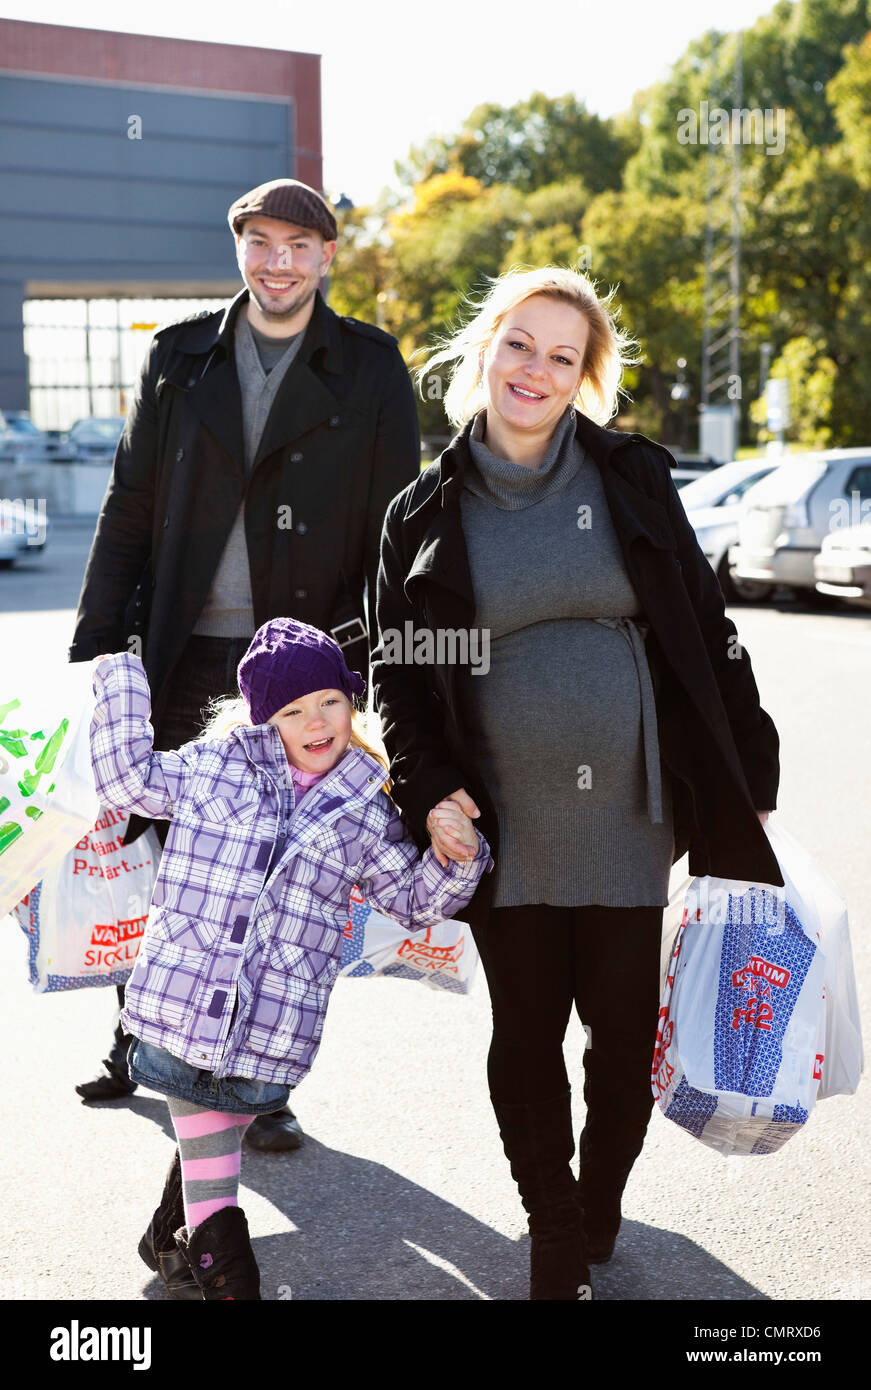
(57, 447)
(713, 503)
(702, 463)
(843, 567)
(788, 515)
(681, 477)
(19, 437)
(96, 439)
(24, 529)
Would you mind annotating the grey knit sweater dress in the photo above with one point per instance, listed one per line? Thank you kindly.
(564, 719)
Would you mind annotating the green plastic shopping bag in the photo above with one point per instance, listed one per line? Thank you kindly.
(47, 796)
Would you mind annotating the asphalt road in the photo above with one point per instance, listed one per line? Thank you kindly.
(401, 1191)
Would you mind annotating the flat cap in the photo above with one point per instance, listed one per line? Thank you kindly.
(290, 201)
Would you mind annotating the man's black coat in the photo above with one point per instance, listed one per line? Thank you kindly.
(717, 742)
(340, 441)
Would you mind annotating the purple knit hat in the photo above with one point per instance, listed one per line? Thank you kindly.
(288, 659)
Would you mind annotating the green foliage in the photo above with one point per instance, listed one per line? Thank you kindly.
(811, 375)
(547, 182)
(532, 143)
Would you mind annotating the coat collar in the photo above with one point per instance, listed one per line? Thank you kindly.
(356, 774)
(213, 389)
(217, 331)
(635, 513)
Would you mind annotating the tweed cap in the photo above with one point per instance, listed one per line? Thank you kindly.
(288, 659)
(288, 200)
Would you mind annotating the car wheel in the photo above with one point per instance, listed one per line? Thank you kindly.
(739, 590)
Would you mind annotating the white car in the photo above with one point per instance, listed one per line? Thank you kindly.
(788, 515)
(713, 504)
(23, 530)
(843, 567)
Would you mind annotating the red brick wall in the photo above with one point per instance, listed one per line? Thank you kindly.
(58, 51)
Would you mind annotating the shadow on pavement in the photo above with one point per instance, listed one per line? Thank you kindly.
(366, 1232)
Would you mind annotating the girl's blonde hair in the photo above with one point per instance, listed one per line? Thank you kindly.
(608, 352)
(230, 712)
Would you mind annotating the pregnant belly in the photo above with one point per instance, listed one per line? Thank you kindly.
(557, 718)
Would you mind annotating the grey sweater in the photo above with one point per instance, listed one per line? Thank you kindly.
(564, 719)
(262, 364)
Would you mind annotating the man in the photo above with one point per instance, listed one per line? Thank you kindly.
(250, 482)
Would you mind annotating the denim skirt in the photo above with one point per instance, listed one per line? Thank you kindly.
(159, 1070)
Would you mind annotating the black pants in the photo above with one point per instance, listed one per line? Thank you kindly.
(540, 961)
(206, 671)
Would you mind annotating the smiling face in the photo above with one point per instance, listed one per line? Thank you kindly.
(532, 368)
(282, 266)
(315, 730)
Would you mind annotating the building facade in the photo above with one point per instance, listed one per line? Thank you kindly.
(120, 155)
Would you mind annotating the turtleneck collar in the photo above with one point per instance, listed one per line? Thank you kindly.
(512, 486)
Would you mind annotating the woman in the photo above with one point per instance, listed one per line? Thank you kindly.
(616, 725)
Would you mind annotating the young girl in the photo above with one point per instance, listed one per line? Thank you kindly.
(271, 826)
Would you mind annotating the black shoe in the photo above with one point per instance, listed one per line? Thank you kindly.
(275, 1133)
(599, 1248)
(105, 1088)
(116, 1083)
(158, 1248)
(219, 1255)
(539, 1144)
(558, 1267)
(601, 1218)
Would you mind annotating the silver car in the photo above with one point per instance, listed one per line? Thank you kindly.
(23, 529)
(843, 566)
(713, 504)
(788, 515)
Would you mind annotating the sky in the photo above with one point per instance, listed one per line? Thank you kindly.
(394, 72)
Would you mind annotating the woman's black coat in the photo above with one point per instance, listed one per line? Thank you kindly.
(715, 739)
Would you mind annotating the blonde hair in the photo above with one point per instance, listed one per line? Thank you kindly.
(230, 712)
(608, 352)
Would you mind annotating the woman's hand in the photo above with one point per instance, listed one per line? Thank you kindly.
(763, 816)
(450, 828)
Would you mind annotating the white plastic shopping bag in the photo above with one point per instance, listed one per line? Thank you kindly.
(739, 1047)
(444, 957)
(47, 796)
(86, 918)
(821, 906)
(672, 917)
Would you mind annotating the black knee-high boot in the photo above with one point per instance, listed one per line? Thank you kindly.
(158, 1247)
(539, 1145)
(610, 1142)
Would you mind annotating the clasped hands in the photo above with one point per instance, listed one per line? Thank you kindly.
(451, 830)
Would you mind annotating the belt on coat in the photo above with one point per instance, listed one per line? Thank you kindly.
(634, 634)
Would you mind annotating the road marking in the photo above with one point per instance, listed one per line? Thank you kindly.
(448, 1268)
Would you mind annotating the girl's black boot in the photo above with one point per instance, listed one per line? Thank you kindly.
(220, 1258)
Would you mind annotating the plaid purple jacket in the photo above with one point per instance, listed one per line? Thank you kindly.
(238, 959)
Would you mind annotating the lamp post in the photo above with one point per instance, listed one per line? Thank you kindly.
(681, 392)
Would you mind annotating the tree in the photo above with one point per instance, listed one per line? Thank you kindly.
(651, 250)
(849, 93)
(539, 141)
(811, 375)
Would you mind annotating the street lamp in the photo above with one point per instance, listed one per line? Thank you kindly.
(681, 392)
